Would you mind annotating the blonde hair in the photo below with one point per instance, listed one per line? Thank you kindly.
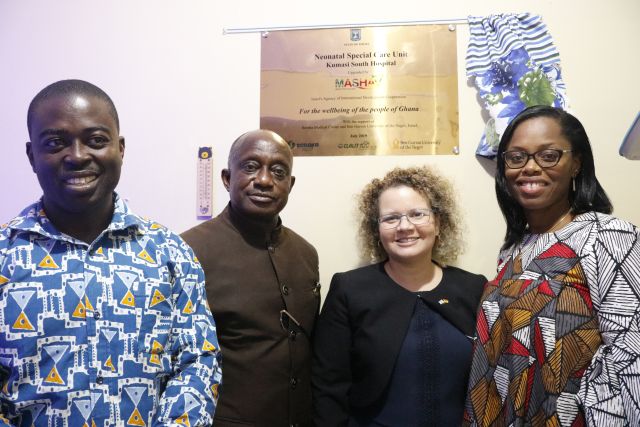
(440, 194)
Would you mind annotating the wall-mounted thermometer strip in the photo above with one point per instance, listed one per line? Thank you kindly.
(205, 183)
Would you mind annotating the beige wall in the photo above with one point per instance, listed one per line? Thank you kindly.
(179, 83)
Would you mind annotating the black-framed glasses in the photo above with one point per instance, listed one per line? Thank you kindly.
(291, 324)
(415, 217)
(547, 158)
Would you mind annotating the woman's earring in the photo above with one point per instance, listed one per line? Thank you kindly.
(573, 183)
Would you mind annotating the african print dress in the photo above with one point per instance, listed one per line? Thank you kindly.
(558, 330)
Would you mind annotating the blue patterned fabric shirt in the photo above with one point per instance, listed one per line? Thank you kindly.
(115, 333)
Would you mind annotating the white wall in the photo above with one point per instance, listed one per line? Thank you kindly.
(179, 83)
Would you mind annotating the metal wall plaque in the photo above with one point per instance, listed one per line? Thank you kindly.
(362, 91)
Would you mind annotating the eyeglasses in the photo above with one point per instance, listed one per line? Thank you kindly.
(546, 158)
(415, 217)
(291, 325)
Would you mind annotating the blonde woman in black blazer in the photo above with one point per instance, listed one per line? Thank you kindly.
(393, 343)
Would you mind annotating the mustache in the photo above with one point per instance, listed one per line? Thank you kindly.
(80, 173)
(261, 194)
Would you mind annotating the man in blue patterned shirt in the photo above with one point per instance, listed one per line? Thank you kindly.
(103, 314)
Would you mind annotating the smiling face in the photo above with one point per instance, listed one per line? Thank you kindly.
(543, 192)
(259, 176)
(406, 242)
(76, 152)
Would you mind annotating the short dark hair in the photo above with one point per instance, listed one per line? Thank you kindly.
(66, 87)
(263, 134)
(588, 195)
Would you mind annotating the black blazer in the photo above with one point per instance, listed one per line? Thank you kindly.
(362, 327)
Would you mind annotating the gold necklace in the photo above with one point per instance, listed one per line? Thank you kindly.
(555, 224)
(532, 237)
(558, 222)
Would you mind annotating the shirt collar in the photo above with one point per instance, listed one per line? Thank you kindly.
(33, 219)
(255, 233)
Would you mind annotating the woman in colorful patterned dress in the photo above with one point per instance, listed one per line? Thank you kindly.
(558, 329)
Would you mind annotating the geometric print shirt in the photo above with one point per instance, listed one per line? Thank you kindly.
(558, 330)
(113, 333)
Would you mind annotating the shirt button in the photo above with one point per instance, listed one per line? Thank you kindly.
(271, 248)
(99, 379)
(285, 289)
(294, 382)
(97, 315)
(292, 335)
